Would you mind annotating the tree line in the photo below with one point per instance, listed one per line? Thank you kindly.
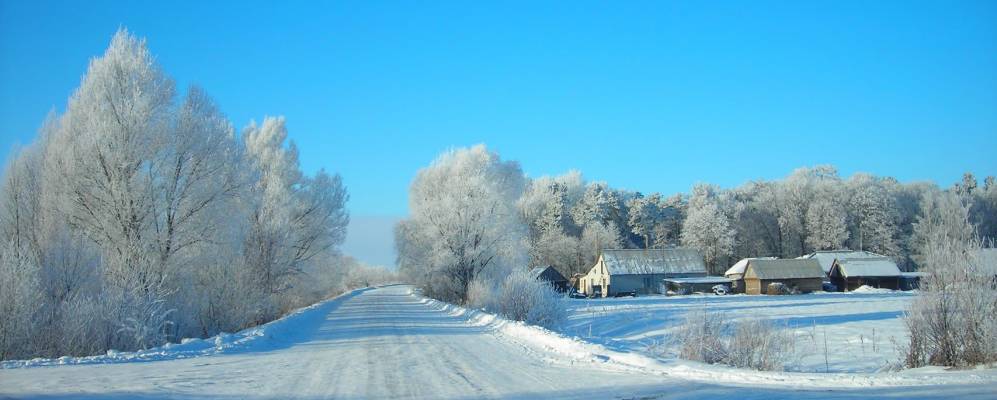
(476, 216)
(139, 216)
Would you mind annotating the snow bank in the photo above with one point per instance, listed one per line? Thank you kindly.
(557, 348)
(280, 332)
(870, 289)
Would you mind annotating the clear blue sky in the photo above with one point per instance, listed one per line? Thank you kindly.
(650, 96)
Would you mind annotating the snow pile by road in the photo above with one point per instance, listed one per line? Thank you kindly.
(271, 334)
(558, 348)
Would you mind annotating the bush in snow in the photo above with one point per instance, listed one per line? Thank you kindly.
(520, 298)
(749, 343)
(951, 322)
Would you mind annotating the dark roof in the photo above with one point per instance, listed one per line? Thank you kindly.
(653, 261)
(547, 273)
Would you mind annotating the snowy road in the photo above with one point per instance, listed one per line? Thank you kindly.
(386, 343)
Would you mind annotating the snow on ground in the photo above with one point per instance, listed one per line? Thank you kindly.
(391, 343)
(264, 337)
(862, 328)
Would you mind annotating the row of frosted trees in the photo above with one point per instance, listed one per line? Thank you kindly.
(138, 216)
(473, 213)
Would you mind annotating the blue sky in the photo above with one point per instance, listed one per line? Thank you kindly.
(649, 96)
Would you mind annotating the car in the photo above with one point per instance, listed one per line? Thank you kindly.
(632, 293)
(574, 294)
(721, 290)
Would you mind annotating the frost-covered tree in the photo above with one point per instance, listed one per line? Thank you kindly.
(826, 225)
(645, 215)
(599, 204)
(293, 217)
(944, 218)
(464, 221)
(707, 228)
(130, 216)
(873, 215)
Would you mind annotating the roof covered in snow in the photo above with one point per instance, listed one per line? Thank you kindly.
(738, 267)
(873, 266)
(784, 269)
(826, 257)
(654, 261)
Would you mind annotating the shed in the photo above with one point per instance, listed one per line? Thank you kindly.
(851, 273)
(550, 275)
(640, 270)
(796, 275)
(826, 257)
(705, 284)
(736, 273)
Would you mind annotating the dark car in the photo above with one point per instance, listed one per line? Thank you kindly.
(632, 293)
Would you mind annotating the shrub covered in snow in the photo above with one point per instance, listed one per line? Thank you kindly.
(749, 343)
(951, 322)
(520, 297)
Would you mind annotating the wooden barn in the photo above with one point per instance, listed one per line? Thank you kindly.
(769, 276)
(852, 273)
(736, 273)
(639, 271)
(550, 275)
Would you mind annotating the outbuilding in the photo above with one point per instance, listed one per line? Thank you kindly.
(782, 276)
(550, 275)
(736, 273)
(639, 271)
(826, 257)
(852, 273)
(703, 284)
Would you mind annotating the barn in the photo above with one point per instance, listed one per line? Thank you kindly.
(796, 275)
(736, 273)
(550, 275)
(826, 257)
(639, 271)
(851, 273)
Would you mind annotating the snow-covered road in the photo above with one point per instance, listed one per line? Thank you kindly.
(388, 343)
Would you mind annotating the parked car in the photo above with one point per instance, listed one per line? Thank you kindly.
(632, 293)
(574, 294)
(720, 290)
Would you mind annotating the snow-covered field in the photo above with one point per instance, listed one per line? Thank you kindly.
(862, 329)
(391, 343)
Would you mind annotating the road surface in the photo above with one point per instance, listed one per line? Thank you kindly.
(388, 344)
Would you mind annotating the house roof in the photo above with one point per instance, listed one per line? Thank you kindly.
(874, 266)
(738, 267)
(653, 261)
(785, 269)
(826, 257)
(547, 272)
